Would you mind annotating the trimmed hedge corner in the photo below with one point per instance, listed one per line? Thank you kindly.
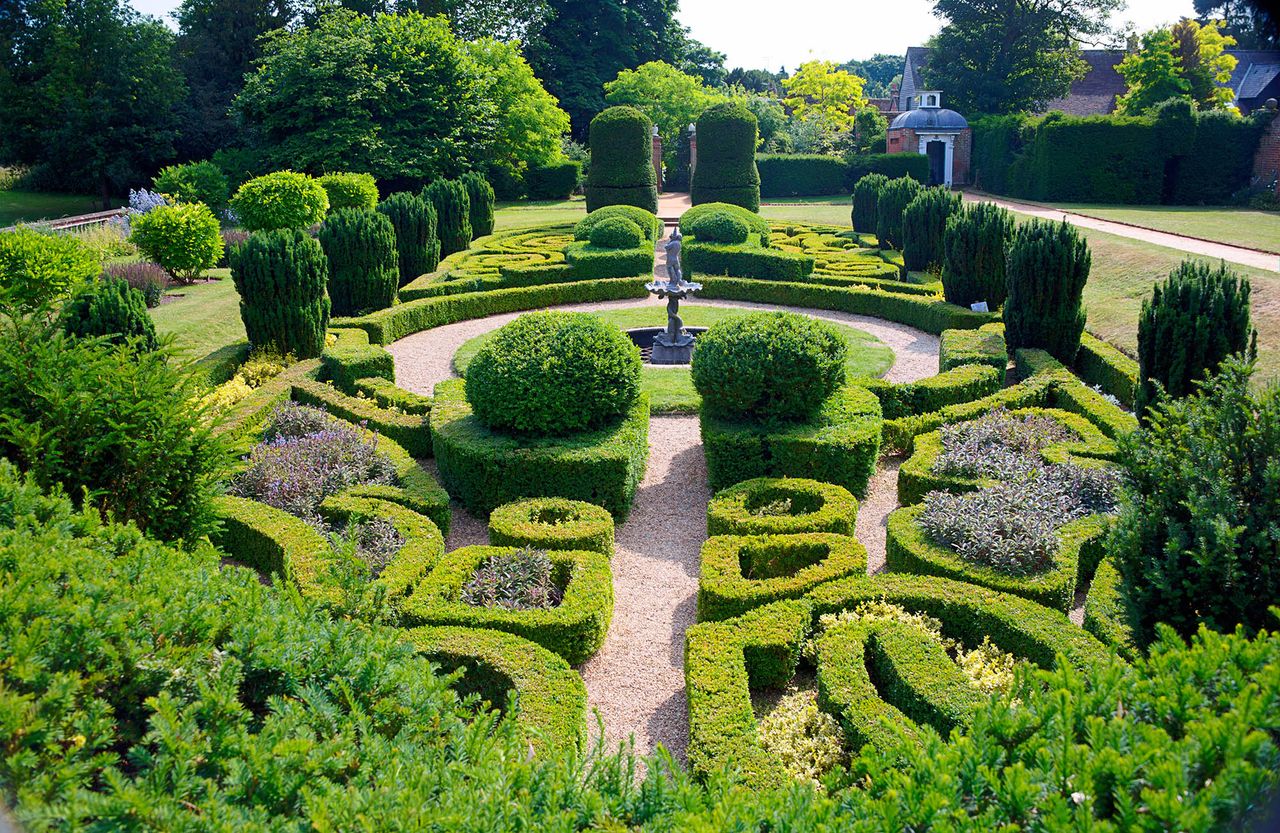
(811, 506)
(984, 345)
(742, 572)
(1106, 613)
(552, 523)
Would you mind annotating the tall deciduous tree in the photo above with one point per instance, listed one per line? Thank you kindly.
(820, 91)
(1152, 74)
(879, 71)
(1002, 56)
(1255, 24)
(670, 98)
(527, 124)
(1185, 61)
(88, 91)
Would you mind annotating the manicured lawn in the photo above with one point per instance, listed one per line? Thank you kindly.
(204, 320)
(520, 214)
(827, 210)
(1222, 224)
(671, 389)
(29, 206)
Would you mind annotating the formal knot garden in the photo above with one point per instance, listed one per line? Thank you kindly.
(889, 552)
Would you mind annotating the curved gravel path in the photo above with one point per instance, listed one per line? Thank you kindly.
(636, 681)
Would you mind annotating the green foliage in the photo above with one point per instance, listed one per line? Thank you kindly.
(645, 219)
(745, 260)
(484, 469)
(1196, 539)
(480, 204)
(984, 345)
(768, 366)
(1046, 272)
(779, 506)
(866, 199)
(39, 270)
(1151, 74)
(616, 233)
(621, 170)
(452, 202)
(933, 393)
(120, 430)
(364, 271)
(552, 524)
(587, 261)
(889, 165)
(719, 227)
(525, 123)
(555, 180)
(755, 223)
(895, 195)
(414, 221)
(1102, 364)
(554, 373)
(185, 239)
(924, 222)
(281, 277)
(194, 182)
(280, 200)
(800, 174)
(1189, 325)
(347, 190)
(726, 170)
(112, 309)
(975, 246)
(1107, 614)
(743, 572)
(822, 93)
(670, 98)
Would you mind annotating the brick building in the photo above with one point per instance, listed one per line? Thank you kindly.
(940, 134)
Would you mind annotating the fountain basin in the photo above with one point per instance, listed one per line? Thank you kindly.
(658, 354)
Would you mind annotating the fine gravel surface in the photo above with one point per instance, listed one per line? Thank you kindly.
(873, 512)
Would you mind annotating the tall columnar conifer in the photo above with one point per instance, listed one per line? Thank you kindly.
(414, 221)
(975, 247)
(893, 199)
(481, 196)
(281, 277)
(453, 214)
(1047, 270)
(865, 196)
(1191, 322)
(364, 269)
(924, 222)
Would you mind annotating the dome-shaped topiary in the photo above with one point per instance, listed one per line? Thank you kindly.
(553, 373)
(768, 366)
(347, 190)
(280, 200)
(111, 308)
(621, 171)
(646, 220)
(719, 227)
(755, 223)
(616, 233)
(726, 169)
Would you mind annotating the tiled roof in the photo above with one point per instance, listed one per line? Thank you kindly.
(1246, 58)
(1256, 79)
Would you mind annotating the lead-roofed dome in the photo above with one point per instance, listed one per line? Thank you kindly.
(930, 118)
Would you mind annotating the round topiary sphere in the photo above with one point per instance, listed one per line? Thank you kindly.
(280, 200)
(720, 227)
(768, 366)
(553, 373)
(616, 233)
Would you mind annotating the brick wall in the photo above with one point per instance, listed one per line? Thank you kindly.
(905, 140)
(1266, 162)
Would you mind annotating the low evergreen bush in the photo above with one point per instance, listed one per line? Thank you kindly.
(280, 200)
(414, 221)
(720, 227)
(194, 182)
(346, 190)
(481, 200)
(112, 309)
(726, 169)
(554, 373)
(1046, 273)
(924, 221)
(452, 203)
(646, 220)
(1191, 322)
(38, 270)
(975, 246)
(281, 277)
(768, 366)
(893, 199)
(616, 233)
(364, 269)
(866, 195)
(183, 238)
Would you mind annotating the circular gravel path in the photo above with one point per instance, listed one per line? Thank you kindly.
(636, 680)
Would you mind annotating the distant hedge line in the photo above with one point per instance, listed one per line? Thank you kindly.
(811, 174)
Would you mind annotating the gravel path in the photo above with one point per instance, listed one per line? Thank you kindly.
(872, 529)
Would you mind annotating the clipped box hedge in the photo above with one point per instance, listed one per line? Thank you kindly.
(742, 572)
(550, 698)
(423, 541)
(847, 692)
(351, 358)
(552, 523)
(1107, 614)
(392, 397)
(588, 261)
(745, 260)
(275, 543)
(801, 174)
(411, 431)
(960, 384)
(1102, 364)
(908, 549)
(984, 345)
(574, 629)
(484, 469)
(814, 507)
(840, 445)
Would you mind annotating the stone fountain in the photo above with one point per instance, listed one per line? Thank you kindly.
(674, 345)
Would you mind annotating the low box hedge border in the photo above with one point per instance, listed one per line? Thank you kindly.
(827, 508)
(423, 541)
(1102, 364)
(804, 561)
(432, 502)
(847, 693)
(1106, 613)
(484, 469)
(245, 419)
(984, 345)
(900, 433)
(590, 262)
(840, 445)
(393, 397)
(574, 629)
(579, 525)
(411, 431)
(961, 384)
(549, 697)
(352, 357)
(917, 476)
(745, 260)
(275, 543)
(909, 550)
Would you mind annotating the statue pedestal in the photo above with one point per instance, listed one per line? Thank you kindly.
(666, 352)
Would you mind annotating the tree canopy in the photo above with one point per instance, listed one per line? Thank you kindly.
(821, 92)
(670, 98)
(526, 122)
(1186, 60)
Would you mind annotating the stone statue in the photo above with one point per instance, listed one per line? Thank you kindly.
(672, 247)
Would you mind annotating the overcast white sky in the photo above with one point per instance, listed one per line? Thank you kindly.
(775, 33)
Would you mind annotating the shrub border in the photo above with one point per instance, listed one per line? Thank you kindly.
(723, 592)
(512, 525)
(727, 512)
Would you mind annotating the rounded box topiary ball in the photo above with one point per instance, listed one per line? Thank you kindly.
(553, 373)
(720, 227)
(768, 366)
(616, 233)
(552, 523)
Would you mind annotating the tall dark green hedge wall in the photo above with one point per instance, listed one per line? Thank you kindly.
(1174, 157)
(621, 171)
(726, 169)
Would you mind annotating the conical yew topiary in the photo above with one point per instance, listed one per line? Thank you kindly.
(481, 197)
(1047, 270)
(893, 199)
(364, 269)
(865, 195)
(281, 277)
(923, 224)
(414, 221)
(975, 247)
(453, 214)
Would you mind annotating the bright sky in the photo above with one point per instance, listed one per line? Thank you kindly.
(773, 33)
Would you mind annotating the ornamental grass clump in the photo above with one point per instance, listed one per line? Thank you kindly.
(1012, 527)
(999, 445)
(524, 580)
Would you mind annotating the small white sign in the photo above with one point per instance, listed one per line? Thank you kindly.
(981, 306)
